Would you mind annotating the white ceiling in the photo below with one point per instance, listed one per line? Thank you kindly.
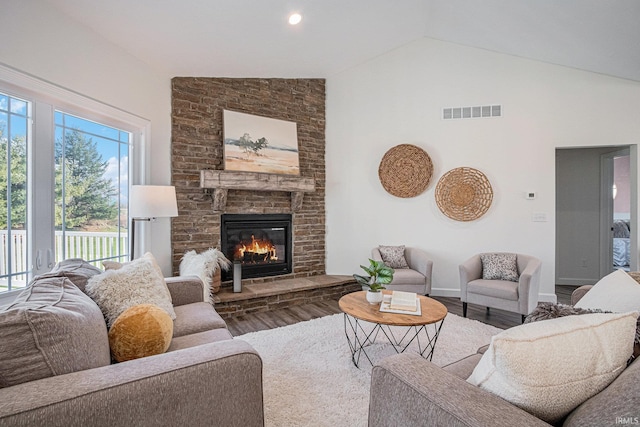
(251, 38)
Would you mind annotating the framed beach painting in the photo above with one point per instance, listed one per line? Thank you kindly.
(260, 144)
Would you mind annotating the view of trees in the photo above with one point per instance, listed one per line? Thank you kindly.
(18, 166)
(88, 196)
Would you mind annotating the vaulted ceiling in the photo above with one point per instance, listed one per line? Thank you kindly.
(251, 38)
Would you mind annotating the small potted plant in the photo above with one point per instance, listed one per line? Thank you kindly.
(378, 276)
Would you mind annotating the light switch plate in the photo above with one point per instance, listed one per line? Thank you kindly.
(539, 217)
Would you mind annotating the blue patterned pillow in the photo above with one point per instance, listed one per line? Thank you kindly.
(499, 267)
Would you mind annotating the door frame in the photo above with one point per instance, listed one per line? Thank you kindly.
(606, 207)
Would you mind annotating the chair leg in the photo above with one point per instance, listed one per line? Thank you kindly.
(487, 311)
(523, 317)
(464, 309)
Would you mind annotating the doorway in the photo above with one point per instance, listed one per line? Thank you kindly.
(586, 212)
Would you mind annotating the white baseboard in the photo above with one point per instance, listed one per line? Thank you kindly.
(455, 293)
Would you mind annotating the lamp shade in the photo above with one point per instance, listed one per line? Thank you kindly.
(152, 201)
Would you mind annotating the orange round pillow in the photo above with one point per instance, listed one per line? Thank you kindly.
(140, 331)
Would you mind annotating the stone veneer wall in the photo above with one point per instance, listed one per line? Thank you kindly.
(197, 105)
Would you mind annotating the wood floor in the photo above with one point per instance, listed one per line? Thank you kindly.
(288, 316)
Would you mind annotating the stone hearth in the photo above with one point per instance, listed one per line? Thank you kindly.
(282, 293)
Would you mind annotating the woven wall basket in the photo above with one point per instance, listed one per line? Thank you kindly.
(464, 194)
(405, 170)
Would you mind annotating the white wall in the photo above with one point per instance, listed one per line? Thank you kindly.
(37, 39)
(398, 97)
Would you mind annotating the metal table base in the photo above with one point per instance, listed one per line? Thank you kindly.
(358, 338)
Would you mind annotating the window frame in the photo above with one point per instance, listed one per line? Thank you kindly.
(45, 99)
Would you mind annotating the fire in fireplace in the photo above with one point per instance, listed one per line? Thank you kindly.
(260, 242)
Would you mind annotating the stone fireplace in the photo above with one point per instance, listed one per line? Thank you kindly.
(260, 243)
(197, 146)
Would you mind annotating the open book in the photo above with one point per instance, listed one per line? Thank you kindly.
(405, 301)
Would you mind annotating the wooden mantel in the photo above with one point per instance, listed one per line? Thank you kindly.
(222, 181)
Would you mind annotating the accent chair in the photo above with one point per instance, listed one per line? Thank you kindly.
(520, 296)
(416, 278)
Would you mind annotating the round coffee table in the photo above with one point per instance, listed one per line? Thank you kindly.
(357, 309)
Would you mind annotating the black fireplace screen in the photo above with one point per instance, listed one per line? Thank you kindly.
(261, 243)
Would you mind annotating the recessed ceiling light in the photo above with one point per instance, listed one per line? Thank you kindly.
(295, 18)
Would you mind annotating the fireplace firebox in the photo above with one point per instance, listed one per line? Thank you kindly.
(260, 242)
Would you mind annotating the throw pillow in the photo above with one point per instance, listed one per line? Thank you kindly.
(136, 282)
(204, 265)
(549, 310)
(393, 256)
(550, 367)
(115, 265)
(140, 331)
(51, 328)
(500, 266)
(77, 270)
(616, 292)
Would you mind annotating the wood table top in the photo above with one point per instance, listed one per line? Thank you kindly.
(356, 305)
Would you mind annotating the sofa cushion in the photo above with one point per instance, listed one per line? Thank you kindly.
(499, 266)
(614, 405)
(77, 270)
(617, 292)
(196, 317)
(135, 283)
(407, 276)
(503, 289)
(549, 367)
(140, 331)
(52, 328)
(393, 256)
(200, 338)
(463, 368)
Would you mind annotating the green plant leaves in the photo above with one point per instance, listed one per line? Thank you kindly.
(379, 275)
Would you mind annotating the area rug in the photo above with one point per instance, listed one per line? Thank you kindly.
(309, 379)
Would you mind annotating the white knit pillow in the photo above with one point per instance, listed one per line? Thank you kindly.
(550, 367)
(617, 292)
(136, 282)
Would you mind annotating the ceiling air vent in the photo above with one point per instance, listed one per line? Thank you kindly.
(472, 112)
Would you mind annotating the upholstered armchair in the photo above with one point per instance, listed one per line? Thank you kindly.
(416, 277)
(520, 294)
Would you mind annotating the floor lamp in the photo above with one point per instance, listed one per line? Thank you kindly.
(148, 202)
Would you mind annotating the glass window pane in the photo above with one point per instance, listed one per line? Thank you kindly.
(18, 106)
(91, 181)
(13, 193)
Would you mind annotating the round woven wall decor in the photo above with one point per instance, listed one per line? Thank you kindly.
(405, 170)
(464, 194)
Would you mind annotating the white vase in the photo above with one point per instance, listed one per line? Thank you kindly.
(374, 297)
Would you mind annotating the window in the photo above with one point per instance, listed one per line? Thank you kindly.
(67, 162)
(14, 126)
(91, 176)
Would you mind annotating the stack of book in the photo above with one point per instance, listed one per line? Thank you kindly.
(401, 302)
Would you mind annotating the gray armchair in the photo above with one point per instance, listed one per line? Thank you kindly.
(520, 297)
(416, 278)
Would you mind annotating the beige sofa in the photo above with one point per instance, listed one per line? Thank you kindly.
(407, 390)
(205, 378)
